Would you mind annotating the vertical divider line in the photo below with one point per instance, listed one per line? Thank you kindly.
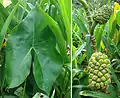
(71, 48)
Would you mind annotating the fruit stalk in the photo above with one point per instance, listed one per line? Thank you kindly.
(89, 19)
(92, 37)
(86, 7)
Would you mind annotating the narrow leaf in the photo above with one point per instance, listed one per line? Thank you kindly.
(95, 94)
(6, 25)
(65, 17)
(98, 35)
(89, 49)
(118, 18)
(78, 51)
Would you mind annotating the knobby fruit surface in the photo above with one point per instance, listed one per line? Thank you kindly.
(99, 71)
(103, 14)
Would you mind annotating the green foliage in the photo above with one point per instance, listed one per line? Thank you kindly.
(107, 41)
(95, 94)
(6, 25)
(117, 18)
(37, 34)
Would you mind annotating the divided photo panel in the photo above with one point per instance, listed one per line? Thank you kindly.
(95, 48)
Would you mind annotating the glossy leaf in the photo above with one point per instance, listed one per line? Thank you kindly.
(34, 34)
(57, 32)
(48, 62)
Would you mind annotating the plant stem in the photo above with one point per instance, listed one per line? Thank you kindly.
(61, 95)
(93, 27)
(92, 36)
(65, 20)
(93, 43)
(84, 4)
(86, 7)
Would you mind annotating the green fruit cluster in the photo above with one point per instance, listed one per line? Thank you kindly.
(103, 14)
(99, 71)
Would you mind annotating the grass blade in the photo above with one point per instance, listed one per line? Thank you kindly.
(6, 25)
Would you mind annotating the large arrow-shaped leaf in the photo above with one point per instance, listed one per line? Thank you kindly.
(33, 34)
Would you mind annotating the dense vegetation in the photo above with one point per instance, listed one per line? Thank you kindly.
(35, 46)
(96, 42)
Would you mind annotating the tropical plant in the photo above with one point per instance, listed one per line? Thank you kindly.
(92, 38)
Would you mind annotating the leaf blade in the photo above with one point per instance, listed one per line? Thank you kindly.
(6, 25)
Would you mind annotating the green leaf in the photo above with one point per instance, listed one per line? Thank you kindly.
(14, 1)
(118, 18)
(17, 68)
(78, 51)
(22, 11)
(112, 90)
(89, 49)
(6, 25)
(115, 78)
(80, 86)
(48, 62)
(65, 12)
(95, 94)
(68, 8)
(79, 19)
(34, 34)
(43, 3)
(63, 80)
(2, 66)
(1, 1)
(113, 31)
(81, 25)
(8, 96)
(57, 32)
(98, 35)
(1, 22)
(3, 11)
